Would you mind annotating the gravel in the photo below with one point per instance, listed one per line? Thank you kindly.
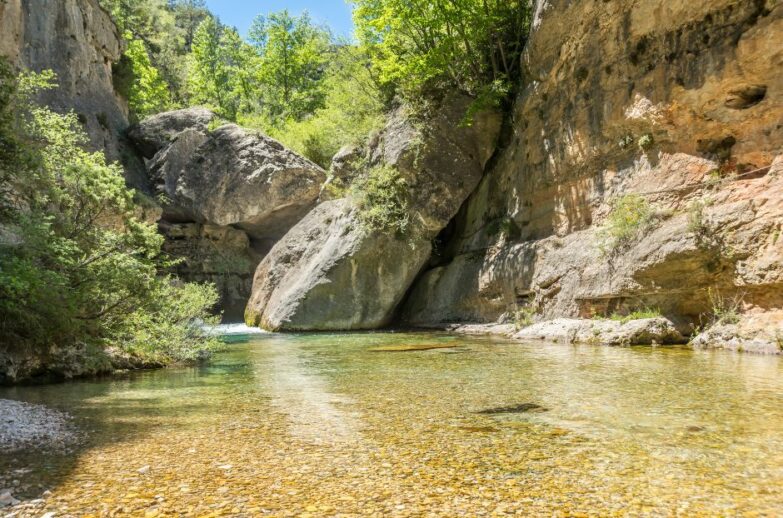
(24, 425)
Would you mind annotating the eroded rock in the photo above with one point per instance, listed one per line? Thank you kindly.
(622, 103)
(331, 273)
(646, 331)
(328, 273)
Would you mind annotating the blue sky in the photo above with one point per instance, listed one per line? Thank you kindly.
(336, 14)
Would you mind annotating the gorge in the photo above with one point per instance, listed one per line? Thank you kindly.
(272, 272)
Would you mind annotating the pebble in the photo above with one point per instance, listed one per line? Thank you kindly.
(26, 425)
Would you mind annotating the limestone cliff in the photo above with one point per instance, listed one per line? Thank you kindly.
(78, 40)
(679, 103)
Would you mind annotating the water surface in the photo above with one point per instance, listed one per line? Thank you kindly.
(361, 424)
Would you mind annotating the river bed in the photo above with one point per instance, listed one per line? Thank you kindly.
(395, 424)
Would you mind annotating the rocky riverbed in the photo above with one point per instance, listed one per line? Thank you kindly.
(26, 427)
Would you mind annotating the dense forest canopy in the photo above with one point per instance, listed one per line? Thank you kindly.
(292, 79)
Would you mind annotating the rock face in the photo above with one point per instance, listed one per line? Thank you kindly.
(78, 41)
(329, 272)
(229, 195)
(646, 331)
(679, 103)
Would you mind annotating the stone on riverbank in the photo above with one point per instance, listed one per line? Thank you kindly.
(646, 331)
(24, 425)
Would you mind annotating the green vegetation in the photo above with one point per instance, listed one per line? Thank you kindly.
(417, 46)
(724, 310)
(631, 215)
(524, 316)
(77, 266)
(382, 197)
(352, 110)
(646, 142)
(638, 314)
(147, 93)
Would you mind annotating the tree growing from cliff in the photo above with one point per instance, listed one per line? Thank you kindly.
(418, 46)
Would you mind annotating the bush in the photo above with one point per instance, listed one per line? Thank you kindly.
(76, 265)
(382, 197)
(724, 310)
(631, 215)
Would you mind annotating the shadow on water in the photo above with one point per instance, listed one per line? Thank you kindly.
(110, 411)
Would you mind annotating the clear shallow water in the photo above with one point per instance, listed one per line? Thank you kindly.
(327, 424)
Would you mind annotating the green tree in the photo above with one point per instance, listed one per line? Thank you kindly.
(223, 70)
(420, 45)
(148, 92)
(210, 79)
(294, 54)
(188, 15)
(78, 267)
(352, 109)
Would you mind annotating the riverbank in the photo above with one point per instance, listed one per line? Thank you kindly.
(759, 336)
(29, 427)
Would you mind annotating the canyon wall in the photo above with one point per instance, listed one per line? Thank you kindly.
(78, 40)
(674, 107)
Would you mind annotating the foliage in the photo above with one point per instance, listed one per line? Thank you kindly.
(725, 310)
(352, 110)
(419, 45)
(630, 216)
(148, 93)
(169, 329)
(697, 223)
(294, 54)
(646, 142)
(166, 28)
(638, 314)
(524, 316)
(76, 265)
(382, 197)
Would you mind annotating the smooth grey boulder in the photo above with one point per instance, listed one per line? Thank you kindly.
(228, 176)
(328, 273)
(156, 132)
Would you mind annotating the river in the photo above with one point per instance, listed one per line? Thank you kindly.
(395, 424)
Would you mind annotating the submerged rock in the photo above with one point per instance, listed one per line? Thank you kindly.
(514, 409)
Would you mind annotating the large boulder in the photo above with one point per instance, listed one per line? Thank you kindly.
(156, 132)
(330, 272)
(226, 176)
(228, 195)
